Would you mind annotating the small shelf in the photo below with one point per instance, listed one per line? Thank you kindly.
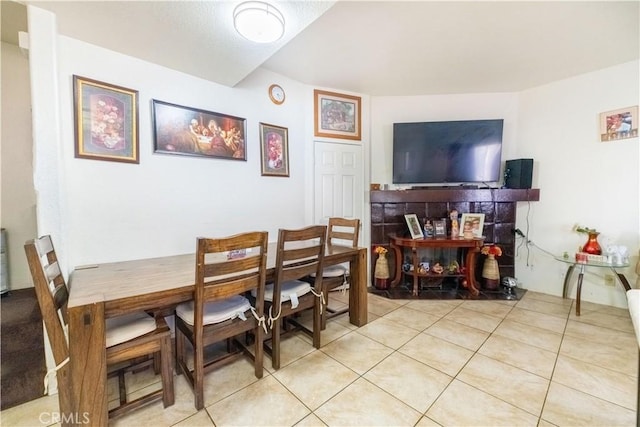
(433, 275)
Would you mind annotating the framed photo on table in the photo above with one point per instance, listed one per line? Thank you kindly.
(439, 228)
(472, 222)
(414, 226)
(337, 115)
(274, 150)
(106, 121)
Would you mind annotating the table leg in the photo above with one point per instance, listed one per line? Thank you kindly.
(579, 290)
(623, 280)
(416, 278)
(398, 264)
(567, 276)
(88, 360)
(358, 295)
(471, 271)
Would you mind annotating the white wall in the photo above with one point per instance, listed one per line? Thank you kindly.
(581, 180)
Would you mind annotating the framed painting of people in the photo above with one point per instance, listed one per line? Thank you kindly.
(274, 150)
(194, 132)
(472, 225)
(619, 124)
(106, 121)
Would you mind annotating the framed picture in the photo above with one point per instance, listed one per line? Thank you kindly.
(414, 226)
(192, 132)
(440, 228)
(472, 222)
(336, 115)
(619, 124)
(106, 121)
(274, 150)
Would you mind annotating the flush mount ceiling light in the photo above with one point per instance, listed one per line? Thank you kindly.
(258, 21)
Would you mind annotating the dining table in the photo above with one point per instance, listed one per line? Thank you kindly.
(100, 291)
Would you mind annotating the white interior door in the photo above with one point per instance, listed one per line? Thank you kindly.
(338, 177)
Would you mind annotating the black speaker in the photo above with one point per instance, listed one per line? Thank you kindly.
(518, 173)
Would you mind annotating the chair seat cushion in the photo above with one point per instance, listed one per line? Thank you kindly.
(215, 311)
(127, 327)
(292, 287)
(333, 271)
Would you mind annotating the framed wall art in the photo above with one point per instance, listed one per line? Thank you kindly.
(193, 132)
(337, 115)
(274, 150)
(473, 223)
(106, 121)
(414, 226)
(619, 124)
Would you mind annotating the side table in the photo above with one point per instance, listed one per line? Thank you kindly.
(572, 263)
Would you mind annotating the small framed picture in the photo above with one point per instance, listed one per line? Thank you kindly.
(619, 124)
(337, 115)
(440, 228)
(414, 226)
(106, 121)
(472, 225)
(274, 150)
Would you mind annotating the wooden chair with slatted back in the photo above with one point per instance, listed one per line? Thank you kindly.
(226, 270)
(129, 337)
(300, 253)
(340, 231)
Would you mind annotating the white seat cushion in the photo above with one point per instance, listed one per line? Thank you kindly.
(333, 271)
(127, 327)
(215, 311)
(633, 301)
(292, 287)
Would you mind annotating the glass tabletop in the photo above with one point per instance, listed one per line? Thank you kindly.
(571, 260)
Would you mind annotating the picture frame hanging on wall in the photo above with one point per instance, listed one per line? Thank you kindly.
(337, 115)
(191, 131)
(274, 150)
(106, 121)
(619, 124)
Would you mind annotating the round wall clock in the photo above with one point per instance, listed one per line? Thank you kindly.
(276, 93)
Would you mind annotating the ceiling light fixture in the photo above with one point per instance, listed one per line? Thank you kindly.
(258, 21)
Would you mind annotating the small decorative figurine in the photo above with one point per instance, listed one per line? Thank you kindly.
(455, 228)
(428, 228)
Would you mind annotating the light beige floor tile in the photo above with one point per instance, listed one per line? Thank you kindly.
(381, 306)
(463, 405)
(414, 319)
(334, 330)
(553, 309)
(310, 420)
(587, 307)
(543, 423)
(439, 354)
(388, 333)
(292, 347)
(555, 299)
(364, 404)
(427, 422)
(43, 411)
(539, 320)
(434, 308)
(568, 407)
(357, 352)
(524, 356)
(410, 381)
(602, 383)
(600, 334)
(513, 385)
(618, 358)
(315, 378)
(266, 403)
(605, 320)
(200, 419)
(492, 308)
(484, 322)
(457, 333)
(529, 335)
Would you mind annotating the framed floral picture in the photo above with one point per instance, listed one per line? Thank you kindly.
(472, 223)
(274, 150)
(619, 124)
(106, 121)
(337, 115)
(193, 132)
(414, 226)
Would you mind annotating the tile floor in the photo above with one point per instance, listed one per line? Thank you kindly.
(421, 363)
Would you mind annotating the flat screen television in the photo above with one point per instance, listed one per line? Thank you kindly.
(447, 152)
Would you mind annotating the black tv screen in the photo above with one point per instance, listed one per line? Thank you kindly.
(447, 152)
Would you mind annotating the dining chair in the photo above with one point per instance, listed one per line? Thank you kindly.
(129, 338)
(226, 269)
(300, 253)
(340, 231)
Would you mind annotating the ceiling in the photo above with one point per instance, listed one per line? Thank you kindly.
(371, 47)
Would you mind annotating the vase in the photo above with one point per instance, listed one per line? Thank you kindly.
(381, 272)
(491, 273)
(592, 246)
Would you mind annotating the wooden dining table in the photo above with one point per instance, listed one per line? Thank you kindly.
(97, 292)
